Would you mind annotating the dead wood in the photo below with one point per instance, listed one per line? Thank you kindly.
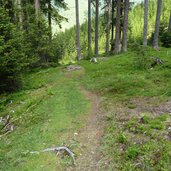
(73, 67)
(7, 125)
(156, 61)
(57, 149)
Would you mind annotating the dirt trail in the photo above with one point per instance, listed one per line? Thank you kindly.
(89, 137)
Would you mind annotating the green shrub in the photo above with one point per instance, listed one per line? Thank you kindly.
(166, 39)
(121, 138)
(132, 152)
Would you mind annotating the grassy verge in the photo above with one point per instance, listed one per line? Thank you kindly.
(45, 114)
(138, 104)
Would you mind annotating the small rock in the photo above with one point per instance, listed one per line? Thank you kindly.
(93, 60)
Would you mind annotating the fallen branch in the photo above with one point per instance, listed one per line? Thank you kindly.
(156, 61)
(57, 149)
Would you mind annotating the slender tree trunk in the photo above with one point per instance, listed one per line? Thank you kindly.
(50, 20)
(77, 31)
(89, 28)
(117, 39)
(9, 5)
(97, 29)
(112, 38)
(169, 27)
(157, 25)
(19, 11)
(145, 22)
(37, 7)
(108, 27)
(25, 17)
(125, 26)
(121, 19)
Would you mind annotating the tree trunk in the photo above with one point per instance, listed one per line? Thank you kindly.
(108, 27)
(145, 22)
(50, 20)
(112, 38)
(169, 27)
(121, 19)
(77, 31)
(89, 28)
(9, 5)
(125, 26)
(19, 11)
(157, 25)
(25, 16)
(37, 7)
(117, 39)
(97, 29)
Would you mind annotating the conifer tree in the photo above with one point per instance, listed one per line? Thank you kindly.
(157, 25)
(145, 22)
(125, 26)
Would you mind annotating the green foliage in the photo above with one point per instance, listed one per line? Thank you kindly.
(132, 152)
(12, 58)
(25, 40)
(166, 39)
(156, 124)
(142, 60)
(121, 138)
(136, 19)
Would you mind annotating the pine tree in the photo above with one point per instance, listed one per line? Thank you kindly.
(125, 26)
(89, 28)
(97, 29)
(157, 25)
(169, 27)
(145, 22)
(37, 7)
(117, 39)
(77, 31)
(108, 26)
(113, 18)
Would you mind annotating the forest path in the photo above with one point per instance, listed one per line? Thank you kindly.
(89, 137)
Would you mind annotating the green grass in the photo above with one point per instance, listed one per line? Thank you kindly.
(48, 111)
(135, 137)
(119, 78)
(51, 107)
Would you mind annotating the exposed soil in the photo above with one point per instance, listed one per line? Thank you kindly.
(89, 137)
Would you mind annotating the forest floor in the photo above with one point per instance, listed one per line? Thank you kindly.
(112, 115)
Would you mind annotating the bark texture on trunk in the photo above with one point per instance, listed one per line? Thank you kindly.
(112, 37)
(25, 17)
(125, 26)
(157, 25)
(145, 22)
(117, 39)
(108, 27)
(169, 27)
(50, 19)
(89, 28)
(77, 31)
(37, 7)
(19, 11)
(97, 29)
(121, 19)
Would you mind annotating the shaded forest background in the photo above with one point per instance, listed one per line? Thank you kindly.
(26, 40)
